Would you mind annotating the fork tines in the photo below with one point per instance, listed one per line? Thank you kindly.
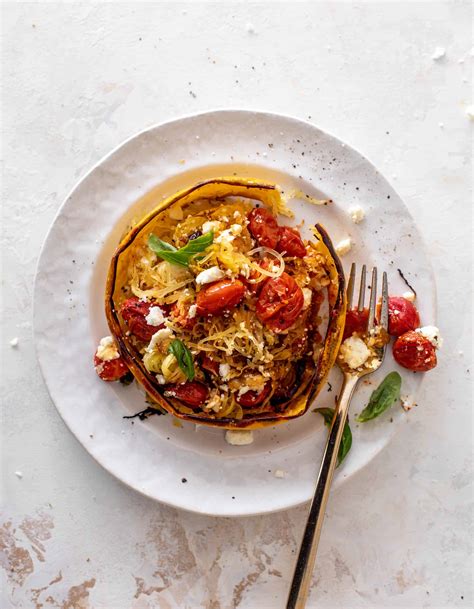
(383, 321)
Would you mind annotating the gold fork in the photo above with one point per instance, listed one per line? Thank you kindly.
(307, 554)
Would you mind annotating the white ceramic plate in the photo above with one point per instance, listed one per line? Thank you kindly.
(155, 456)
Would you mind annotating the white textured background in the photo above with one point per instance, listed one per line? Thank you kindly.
(78, 78)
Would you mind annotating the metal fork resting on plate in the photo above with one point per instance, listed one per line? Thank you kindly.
(307, 554)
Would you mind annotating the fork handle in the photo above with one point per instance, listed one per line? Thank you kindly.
(307, 554)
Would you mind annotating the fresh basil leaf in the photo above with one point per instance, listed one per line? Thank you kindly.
(156, 244)
(184, 357)
(346, 442)
(184, 254)
(386, 394)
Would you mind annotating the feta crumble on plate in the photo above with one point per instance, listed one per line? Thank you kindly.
(238, 437)
(344, 246)
(357, 214)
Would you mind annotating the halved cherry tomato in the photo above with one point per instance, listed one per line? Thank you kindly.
(280, 302)
(356, 321)
(402, 316)
(111, 370)
(290, 242)
(254, 398)
(191, 393)
(263, 226)
(415, 352)
(220, 296)
(180, 314)
(207, 363)
(134, 312)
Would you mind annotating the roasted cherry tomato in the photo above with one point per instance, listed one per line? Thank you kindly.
(290, 242)
(263, 226)
(415, 352)
(192, 393)
(356, 321)
(180, 314)
(254, 398)
(207, 363)
(219, 296)
(111, 370)
(280, 302)
(402, 315)
(134, 312)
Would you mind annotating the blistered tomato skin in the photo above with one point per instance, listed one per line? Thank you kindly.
(263, 227)
(402, 316)
(219, 297)
(253, 398)
(356, 321)
(279, 303)
(191, 393)
(111, 370)
(134, 312)
(415, 352)
(207, 363)
(290, 242)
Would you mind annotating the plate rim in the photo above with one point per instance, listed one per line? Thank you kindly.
(122, 144)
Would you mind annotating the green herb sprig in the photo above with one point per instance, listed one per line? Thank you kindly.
(183, 255)
(184, 357)
(346, 442)
(386, 394)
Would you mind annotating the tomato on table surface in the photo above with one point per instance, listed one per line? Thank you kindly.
(290, 242)
(134, 313)
(192, 393)
(280, 302)
(220, 296)
(415, 352)
(403, 316)
(110, 370)
(263, 226)
(254, 398)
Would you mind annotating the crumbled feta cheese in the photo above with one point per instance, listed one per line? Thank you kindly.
(470, 112)
(161, 379)
(439, 53)
(224, 370)
(236, 229)
(356, 213)
(14, 342)
(354, 352)
(432, 334)
(210, 275)
(307, 296)
(243, 390)
(279, 473)
(192, 311)
(225, 237)
(214, 402)
(237, 215)
(410, 296)
(155, 317)
(213, 225)
(158, 337)
(107, 349)
(238, 438)
(344, 246)
(407, 402)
